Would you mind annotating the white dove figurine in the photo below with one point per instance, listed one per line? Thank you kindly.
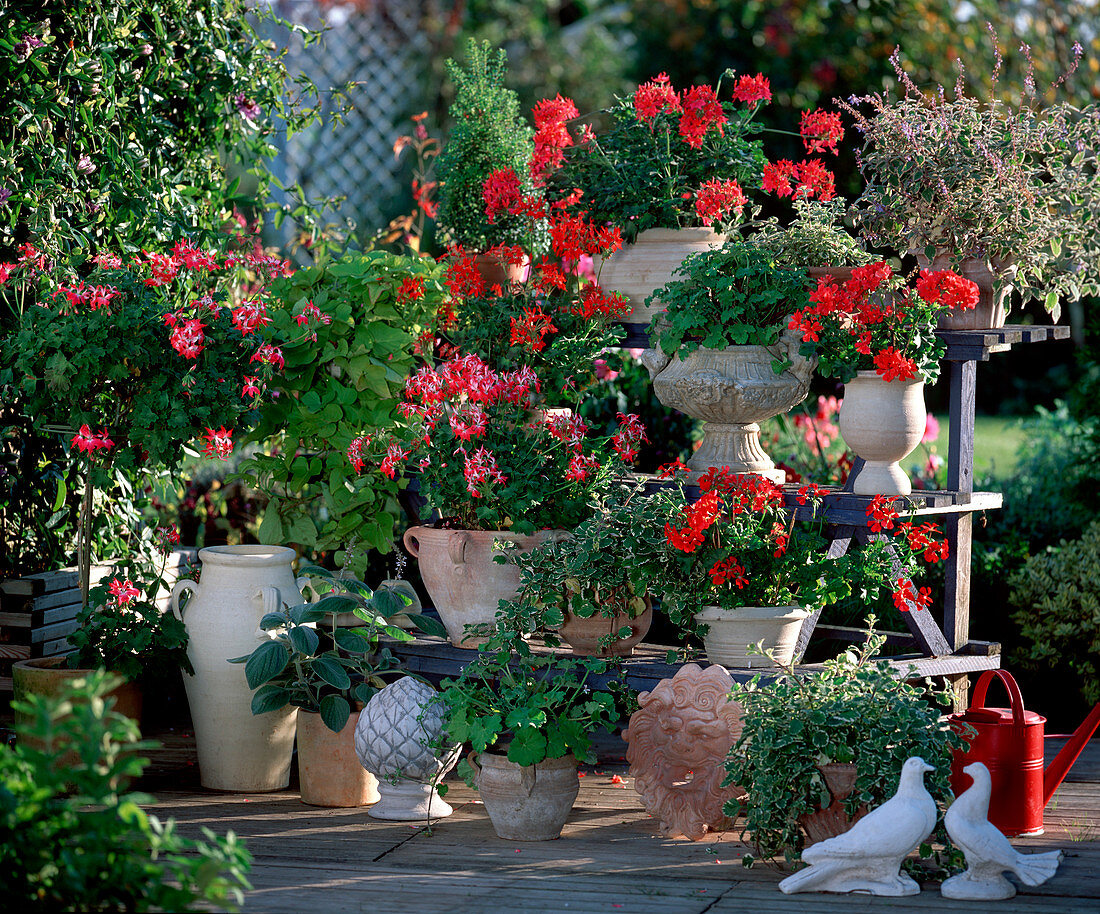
(988, 853)
(867, 858)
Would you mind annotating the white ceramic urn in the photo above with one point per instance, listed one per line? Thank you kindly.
(237, 750)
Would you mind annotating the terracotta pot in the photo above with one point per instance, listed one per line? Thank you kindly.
(237, 750)
(994, 288)
(832, 820)
(733, 630)
(882, 422)
(527, 802)
(49, 676)
(328, 768)
(462, 579)
(815, 274)
(732, 390)
(501, 274)
(639, 269)
(583, 635)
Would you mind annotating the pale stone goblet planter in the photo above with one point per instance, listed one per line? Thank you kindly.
(882, 422)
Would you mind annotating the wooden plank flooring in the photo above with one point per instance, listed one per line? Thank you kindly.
(610, 858)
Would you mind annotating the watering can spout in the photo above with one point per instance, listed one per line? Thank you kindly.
(1059, 767)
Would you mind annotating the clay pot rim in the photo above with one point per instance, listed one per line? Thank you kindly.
(791, 612)
(700, 232)
(870, 374)
(254, 556)
(564, 761)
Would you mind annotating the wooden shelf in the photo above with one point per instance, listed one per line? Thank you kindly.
(436, 659)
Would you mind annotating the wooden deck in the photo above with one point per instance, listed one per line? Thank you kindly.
(610, 858)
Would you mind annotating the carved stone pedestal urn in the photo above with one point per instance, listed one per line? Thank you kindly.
(399, 739)
(732, 390)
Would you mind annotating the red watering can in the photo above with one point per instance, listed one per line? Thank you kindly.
(1009, 742)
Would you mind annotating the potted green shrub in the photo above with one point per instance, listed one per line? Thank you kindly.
(528, 720)
(1006, 195)
(815, 240)
(488, 135)
(590, 589)
(817, 751)
(723, 352)
(328, 673)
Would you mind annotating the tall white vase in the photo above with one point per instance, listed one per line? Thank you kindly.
(882, 422)
(237, 750)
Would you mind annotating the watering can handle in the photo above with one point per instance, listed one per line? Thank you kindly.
(980, 690)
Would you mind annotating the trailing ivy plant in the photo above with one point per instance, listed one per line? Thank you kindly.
(735, 295)
(73, 837)
(854, 710)
(334, 393)
(488, 135)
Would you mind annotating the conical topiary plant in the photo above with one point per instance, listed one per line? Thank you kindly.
(488, 135)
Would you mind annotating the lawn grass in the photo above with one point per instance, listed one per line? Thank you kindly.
(996, 443)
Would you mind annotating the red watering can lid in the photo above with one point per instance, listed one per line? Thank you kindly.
(1000, 716)
(1016, 715)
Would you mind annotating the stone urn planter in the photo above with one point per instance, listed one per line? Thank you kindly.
(994, 282)
(584, 635)
(732, 390)
(527, 802)
(329, 772)
(731, 631)
(639, 269)
(462, 578)
(882, 422)
(237, 750)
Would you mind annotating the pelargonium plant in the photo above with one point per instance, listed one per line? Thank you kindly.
(872, 322)
(676, 158)
(558, 320)
(488, 459)
(738, 545)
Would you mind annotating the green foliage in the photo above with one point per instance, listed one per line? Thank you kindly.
(1057, 593)
(854, 710)
(488, 135)
(73, 838)
(816, 237)
(117, 120)
(327, 670)
(735, 295)
(133, 638)
(598, 568)
(532, 707)
(639, 175)
(338, 388)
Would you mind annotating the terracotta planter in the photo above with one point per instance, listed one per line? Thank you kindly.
(733, 630)
(994, 288)
(732, 391)
(882, 422)
(641, 268)
(832, 820)
(815, 274)
(501, 274)
(583, 635)
(48, 677)
(328, 768)
(237, 750)
(462, 579)
(527, 802)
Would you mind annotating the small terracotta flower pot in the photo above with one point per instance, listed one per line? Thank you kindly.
(329, 772)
